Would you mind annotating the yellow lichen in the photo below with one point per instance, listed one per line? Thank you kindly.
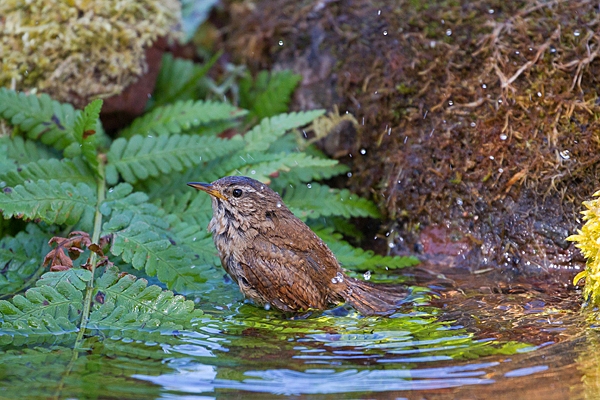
(78, 49)
(588, 241)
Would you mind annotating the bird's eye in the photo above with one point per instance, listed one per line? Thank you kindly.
(237, 192)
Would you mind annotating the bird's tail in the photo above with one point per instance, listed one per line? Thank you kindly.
(372, 298)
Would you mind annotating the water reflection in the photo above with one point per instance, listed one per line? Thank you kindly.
(200, 378)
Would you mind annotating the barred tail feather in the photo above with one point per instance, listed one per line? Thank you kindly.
(373, 299)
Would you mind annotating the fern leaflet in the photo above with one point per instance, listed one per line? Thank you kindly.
(270, 129)
(73, 171)
(269, 94)
(23, 151)
(21, 257)
(141, 157)
(51, 201)
(188, 207)
(179, 78)
(129, 304)
(315, 200)
(179, 117)
(85, 128)
(141, 246)
(42, 313)
(41, 117)
(78, 277)
(275, 163)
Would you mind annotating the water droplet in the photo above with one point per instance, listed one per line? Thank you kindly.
(484, 86)
(503, 136)
(491, 11)
(491, 157)
(539, 94)
(367, 275)
(499, 101)
(363, 151)
(450, 103)
(278, 205)
(378, 12)
(432, 44)
(349, 174)
(517, 52)
(281, 42)
(473, 124)
(253, 172)
(268, 306)
(500, 170)
(308, 185)
(194, 239)
(384, 33)
(576, 33)
(552, 49)
(391, 245)
(448, 32)
(565, 154)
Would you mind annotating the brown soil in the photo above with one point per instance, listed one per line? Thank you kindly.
(480, 136)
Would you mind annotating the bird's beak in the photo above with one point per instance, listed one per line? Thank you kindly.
(208, 188)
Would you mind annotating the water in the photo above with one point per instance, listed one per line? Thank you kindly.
(452, 340)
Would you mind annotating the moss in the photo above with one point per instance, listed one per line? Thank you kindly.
(504, 115)
(78, 49)
(588, 241)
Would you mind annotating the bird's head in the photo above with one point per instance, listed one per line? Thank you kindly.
(242, 198)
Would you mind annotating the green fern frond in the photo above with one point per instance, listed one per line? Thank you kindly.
(292, 144)
(178, 79)
(40, 117)
(129, 304)
(73, 171)
(51, 201)
(309, 173)
(270, 129)
(199, 243)
(180, 117)
(274, 163)
(188, 207)
(85, 128)
(141, 157)
(78, 277)
(269, 94)
(41, 314)
(357, 259)
(23, 151)
(21, 259)
(124, 204)
(315, 200)
(141, 246)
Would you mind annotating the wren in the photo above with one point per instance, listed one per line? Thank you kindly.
(277, 260)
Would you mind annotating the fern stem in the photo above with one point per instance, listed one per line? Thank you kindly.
(87, 302)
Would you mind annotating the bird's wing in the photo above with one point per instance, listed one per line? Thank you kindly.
(283, 276)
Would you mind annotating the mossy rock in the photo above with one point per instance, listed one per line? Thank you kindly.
(479, 120)
(80, 50)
